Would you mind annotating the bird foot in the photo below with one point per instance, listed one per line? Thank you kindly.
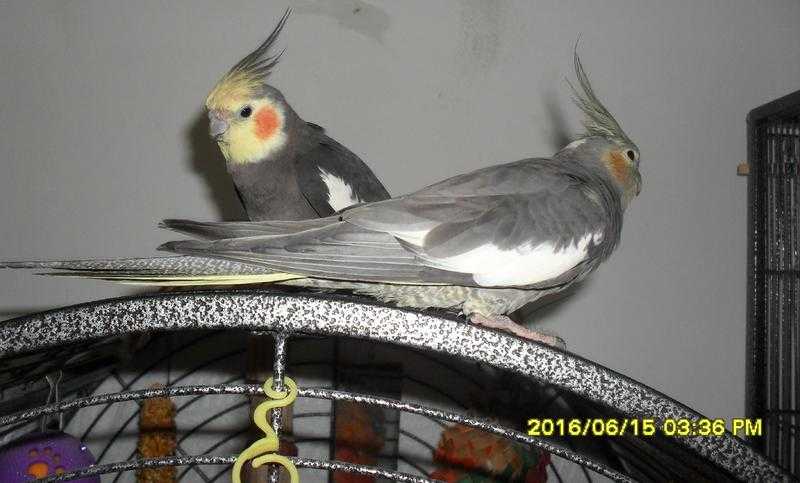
(506, 324)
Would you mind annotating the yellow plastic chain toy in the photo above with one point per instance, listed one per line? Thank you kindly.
(270, 443)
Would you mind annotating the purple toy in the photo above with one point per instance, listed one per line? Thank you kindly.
(44, 454)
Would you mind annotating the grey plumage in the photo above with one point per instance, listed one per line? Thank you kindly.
(467, 300)
(236, 229)
(288, 185)
(282, 166)
(531, 202)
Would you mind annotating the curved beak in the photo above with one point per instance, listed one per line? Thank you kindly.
(217, 125)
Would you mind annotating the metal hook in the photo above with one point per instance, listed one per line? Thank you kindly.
(54, 396)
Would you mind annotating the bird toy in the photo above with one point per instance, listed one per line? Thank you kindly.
(47, 452)
(262, 451)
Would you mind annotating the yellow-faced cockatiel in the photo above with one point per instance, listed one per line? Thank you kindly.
(485, 243)
(284, 168)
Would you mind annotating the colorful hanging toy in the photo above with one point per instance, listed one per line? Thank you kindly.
(48, 452)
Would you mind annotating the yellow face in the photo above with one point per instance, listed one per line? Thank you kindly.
(247, 131)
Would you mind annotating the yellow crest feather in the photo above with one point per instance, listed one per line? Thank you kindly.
(244, 78)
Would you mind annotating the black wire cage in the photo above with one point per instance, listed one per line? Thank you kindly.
(773, 344)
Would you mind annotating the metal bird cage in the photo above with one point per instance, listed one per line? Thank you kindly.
(428, 367)
(773, 345)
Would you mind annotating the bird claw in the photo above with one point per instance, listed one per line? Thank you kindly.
(505, 323)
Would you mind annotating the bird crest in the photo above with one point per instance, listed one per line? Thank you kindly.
(598, 121)
(249, 74)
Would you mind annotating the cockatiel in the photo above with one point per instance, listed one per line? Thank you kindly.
(283, 167)
(485, 243)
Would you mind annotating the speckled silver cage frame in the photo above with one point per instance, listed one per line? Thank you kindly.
(727, 457)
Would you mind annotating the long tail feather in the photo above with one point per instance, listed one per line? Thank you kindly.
(209, 230)
(162, 271)
(175, 281)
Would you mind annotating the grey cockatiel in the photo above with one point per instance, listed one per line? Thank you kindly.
(284, 168)
(486, 242)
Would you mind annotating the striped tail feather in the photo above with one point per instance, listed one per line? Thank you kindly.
(161, 271)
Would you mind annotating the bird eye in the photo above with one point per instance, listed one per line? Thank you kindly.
(246, 111)
(631, 154)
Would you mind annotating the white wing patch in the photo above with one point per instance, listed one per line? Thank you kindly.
(524, 265)
(575, 144)
(414, 237)
(340, 194)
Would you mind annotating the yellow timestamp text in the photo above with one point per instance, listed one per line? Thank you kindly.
(680, 427)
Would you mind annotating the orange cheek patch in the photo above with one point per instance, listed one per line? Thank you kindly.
(267, 122)
(619, 167)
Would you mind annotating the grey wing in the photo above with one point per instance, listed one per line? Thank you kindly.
(531, 238)
(528, 201)
(339, 251)
(217, 230)
(332, 178)
(524, 176)
(463, 197)
(326, 166)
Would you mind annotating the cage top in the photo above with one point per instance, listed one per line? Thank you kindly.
(786, 106)
(263, 310)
